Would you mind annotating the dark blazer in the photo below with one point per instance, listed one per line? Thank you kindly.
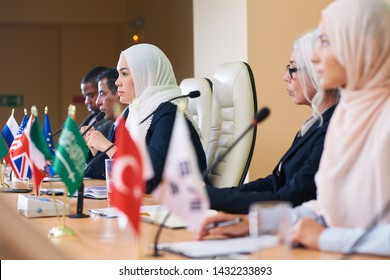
(294, 182)
(104, 126)
(95, 168)
(158, 138)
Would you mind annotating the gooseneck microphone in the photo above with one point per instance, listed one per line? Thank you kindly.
(192, 94)
(96, 158)
(98, 118)
(259, 117)
(58, 131)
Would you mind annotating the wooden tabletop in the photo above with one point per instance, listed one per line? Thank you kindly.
(99, 238)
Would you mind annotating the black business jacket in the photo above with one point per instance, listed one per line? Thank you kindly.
(95, 168)
(158, 138)
(294, 182)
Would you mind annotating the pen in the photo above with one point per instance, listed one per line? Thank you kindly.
(224, 223)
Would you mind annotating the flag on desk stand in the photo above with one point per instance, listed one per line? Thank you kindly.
(49, 141)
(39, 152)
(9, 132)
(3, 148)
(19, 154)
(71, 154)
(182, 188)
(128, 181)
(3, 153)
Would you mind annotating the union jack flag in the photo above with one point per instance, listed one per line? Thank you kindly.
(19, 152)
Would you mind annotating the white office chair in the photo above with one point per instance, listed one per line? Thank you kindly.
(200, 106)
(233, 109)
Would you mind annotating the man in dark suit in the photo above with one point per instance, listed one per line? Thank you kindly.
(292, 179)
(108, 102)
(89, 90)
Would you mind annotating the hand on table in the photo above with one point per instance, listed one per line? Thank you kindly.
(238, 229)
(307, 233)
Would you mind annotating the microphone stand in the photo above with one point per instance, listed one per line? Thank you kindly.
(192, 94)
(80, 191)
(259, 117)
(80, 203)
(158, 233)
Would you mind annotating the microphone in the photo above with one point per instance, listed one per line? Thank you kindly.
(58, 131)
(259, 117)
(100, 115)
(96, 158)
(98, 118)
(192, 94)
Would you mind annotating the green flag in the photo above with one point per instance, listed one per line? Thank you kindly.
(3, 148)
(71, 156)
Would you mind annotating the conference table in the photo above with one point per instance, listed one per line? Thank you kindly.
(100, 238)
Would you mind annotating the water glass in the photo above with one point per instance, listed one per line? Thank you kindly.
(108, 164)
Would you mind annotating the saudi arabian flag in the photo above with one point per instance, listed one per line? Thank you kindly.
(71, 156)
(3, 148)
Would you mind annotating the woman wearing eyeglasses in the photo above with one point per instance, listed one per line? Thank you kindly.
(293, 177)
(352, 210)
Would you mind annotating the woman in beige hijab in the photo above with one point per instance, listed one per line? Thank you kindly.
(353, 181)
(352, 210)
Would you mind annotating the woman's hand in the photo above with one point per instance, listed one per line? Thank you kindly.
(307, 232)
(239, 229)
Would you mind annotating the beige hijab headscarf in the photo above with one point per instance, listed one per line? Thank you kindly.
(353, 180)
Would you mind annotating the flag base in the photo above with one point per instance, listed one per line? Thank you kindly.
(78, 215)
(60, 231)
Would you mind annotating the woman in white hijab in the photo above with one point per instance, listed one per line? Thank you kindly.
(147, 82)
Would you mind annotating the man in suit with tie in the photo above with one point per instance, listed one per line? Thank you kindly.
(89, 90)
(108, 102)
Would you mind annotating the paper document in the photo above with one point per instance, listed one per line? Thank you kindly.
(156, 214)
(153, 214)
(96, 192)
(110, 212)
(52, 179)
(220, 247)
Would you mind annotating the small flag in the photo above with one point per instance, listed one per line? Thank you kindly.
(182, 188)
(9, 132)
(71, 154)
(128, 183)
(19, 154)
(39, 152)
(3, 148)
(10, 129)
(49, 140)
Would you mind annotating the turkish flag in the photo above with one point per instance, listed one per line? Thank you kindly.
(127, 183)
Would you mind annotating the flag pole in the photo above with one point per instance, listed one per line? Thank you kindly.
(63, 230)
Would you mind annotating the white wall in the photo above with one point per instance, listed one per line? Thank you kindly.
(220, 34)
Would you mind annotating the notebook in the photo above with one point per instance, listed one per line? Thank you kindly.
(153, 214)
(220, 247)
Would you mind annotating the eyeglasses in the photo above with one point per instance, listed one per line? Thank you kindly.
(292, 70)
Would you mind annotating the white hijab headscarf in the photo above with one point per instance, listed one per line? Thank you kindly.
(353, 181)
(154, 82)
